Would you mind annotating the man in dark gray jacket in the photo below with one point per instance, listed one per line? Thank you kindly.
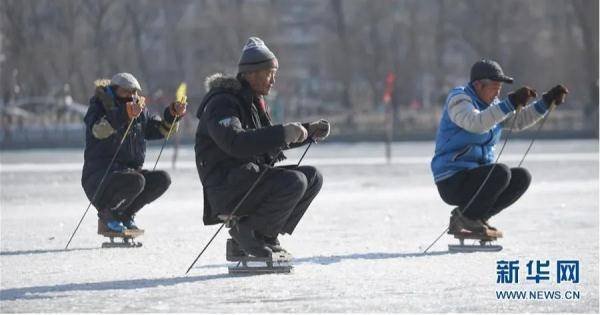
(236, 141)
(127, 187)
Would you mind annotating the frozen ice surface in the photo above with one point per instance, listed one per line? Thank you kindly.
(358, 249)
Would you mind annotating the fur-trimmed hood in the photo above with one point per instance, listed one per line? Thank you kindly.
(215, 82)
(100, 92)
(220, 80)
(100, 85)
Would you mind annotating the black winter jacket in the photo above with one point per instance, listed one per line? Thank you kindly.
(235, 140)
(99, 149)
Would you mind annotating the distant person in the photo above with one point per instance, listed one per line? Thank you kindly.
(127, 187)
(236, 140)
(471, 124)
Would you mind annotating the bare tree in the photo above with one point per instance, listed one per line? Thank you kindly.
(344, 65)
(586, 13)
(334, 54)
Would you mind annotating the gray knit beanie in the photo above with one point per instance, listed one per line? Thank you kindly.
(256, 56)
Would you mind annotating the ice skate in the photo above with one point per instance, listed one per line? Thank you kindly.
(279, 262)
(463, 228)
(128, 221)
(497, 233)
(273, 243)
(252, 254)
(126, 236)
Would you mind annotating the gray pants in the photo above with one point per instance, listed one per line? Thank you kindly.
(281, 198)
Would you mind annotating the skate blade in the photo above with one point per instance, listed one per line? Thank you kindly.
(281, 257)
(126, 233)
(473, 236)
(121, 244)
(474, 248)
(121, 240)
(259, 270)
(278, 263)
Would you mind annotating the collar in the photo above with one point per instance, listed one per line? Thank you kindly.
(471, 90)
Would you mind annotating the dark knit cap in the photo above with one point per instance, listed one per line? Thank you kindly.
(489, 69)
(256, 56)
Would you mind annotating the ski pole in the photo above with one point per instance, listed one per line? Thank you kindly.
(165, 141)
(101, 181)
(460, 212)
(237, 206)
(228, 218)
(303, 154)
(536, 133)
(180, 97)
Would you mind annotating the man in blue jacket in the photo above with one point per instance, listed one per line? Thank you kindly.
(470, 127)
(127, 187)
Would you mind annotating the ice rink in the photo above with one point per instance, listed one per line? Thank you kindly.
(358, 249)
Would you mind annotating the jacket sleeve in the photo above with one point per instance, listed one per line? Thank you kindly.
(299, 144)
(157, 128)
(117, 116)
(527, 117)
(222, 119)
(464, 114)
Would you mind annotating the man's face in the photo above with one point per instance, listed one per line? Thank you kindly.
(488, 92)
(261, 81)
(124, 93)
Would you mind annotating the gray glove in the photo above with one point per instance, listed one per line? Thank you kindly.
(102, 129)
(319, 130)
(294, 132)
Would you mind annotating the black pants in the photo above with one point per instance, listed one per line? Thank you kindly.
(504, 187)
(278, 203)
(128, 191)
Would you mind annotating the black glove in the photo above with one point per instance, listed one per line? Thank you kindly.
(319, 130)
(521, 97)
(555, 96)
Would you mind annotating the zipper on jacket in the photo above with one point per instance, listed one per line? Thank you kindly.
(462, 153)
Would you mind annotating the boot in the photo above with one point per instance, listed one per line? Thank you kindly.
(272, 242)
(233, 251)
(128, 220)
(130, 224)
(248, 242)
(494, 230)
(459, 224)
(108, 223)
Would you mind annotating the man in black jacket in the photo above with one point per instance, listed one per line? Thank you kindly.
(127, 187)
(236, 141)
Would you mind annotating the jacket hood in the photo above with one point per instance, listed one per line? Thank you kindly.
(220, 80)
(101, 92)
(218, 83)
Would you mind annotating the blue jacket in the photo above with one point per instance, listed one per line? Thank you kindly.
(458, 149)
